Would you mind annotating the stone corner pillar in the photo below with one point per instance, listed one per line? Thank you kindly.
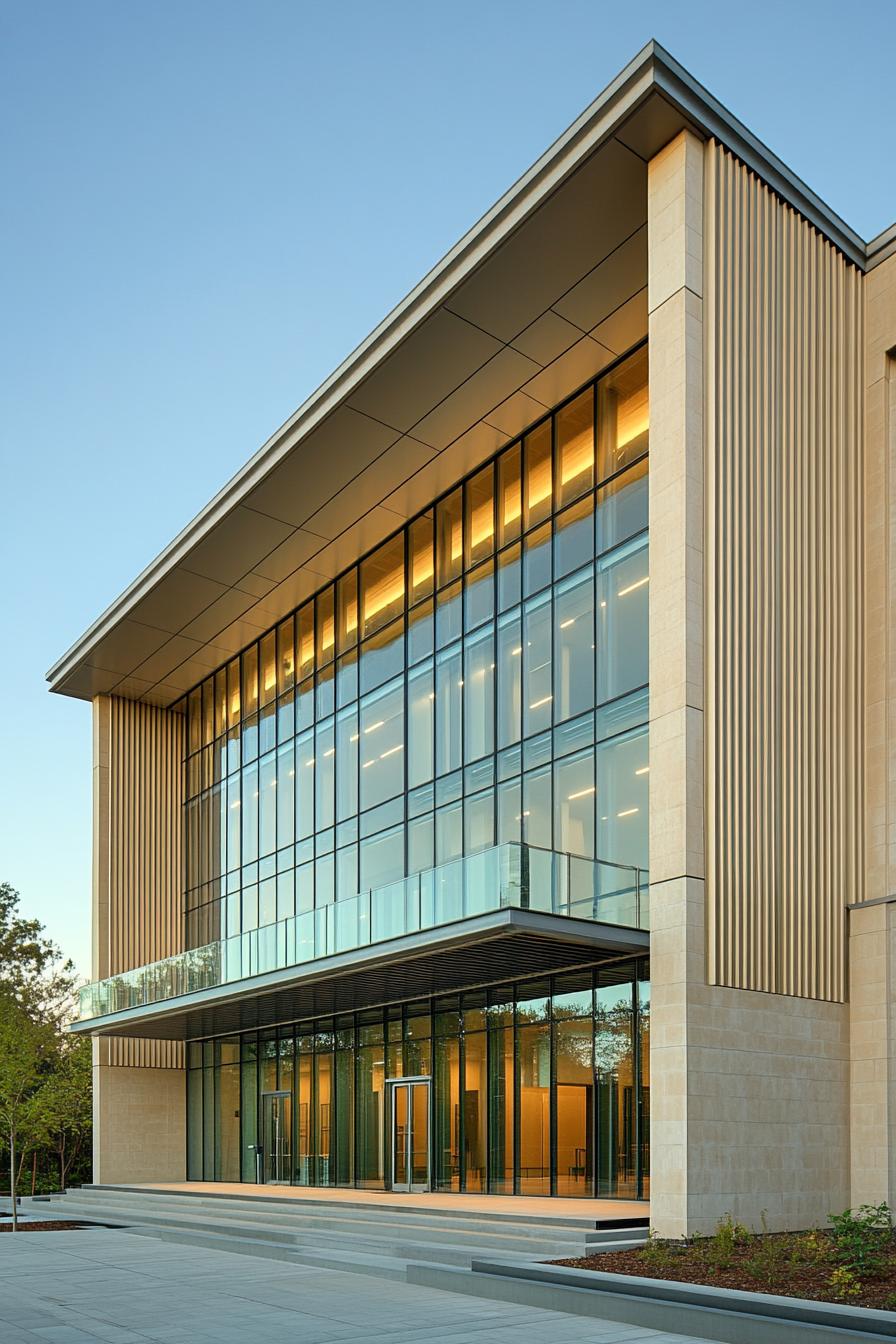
(675, 305)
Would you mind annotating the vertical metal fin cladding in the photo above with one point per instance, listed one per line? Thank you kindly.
(784, 630)
(137, 862)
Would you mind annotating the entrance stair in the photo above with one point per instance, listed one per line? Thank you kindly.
(360, 1238)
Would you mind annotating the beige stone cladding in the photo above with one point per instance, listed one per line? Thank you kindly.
(749, 1085)
(880, 579)
(139, 1116)
(872, 1030)
(872, 926)
(138, 1085)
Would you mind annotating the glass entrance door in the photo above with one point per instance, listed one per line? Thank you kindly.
(410, 1134)
(276, 1132)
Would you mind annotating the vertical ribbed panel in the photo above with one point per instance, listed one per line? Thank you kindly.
(783, 322)
(137, 860)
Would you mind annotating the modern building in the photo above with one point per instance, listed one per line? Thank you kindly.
(442, 841)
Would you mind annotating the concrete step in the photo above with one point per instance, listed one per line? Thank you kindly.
(349, 1207)
(295, 1215)
(354, 1236)
(610, 1235)
(448, 1246)
(382, 1267)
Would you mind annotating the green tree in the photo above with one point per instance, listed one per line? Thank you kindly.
(32, 968)
(66, 1104)
(27, 1050)
(45, 1074)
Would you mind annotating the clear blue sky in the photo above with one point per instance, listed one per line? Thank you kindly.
(207, 205)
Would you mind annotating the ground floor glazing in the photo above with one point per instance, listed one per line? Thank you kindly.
(538, 1087)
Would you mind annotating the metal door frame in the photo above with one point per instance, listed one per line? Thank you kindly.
(279, 1093)
(393, 1084)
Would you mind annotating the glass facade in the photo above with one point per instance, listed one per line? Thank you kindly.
(535, 1088)
(479, 678)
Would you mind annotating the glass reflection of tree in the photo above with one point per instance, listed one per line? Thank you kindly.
(614, 1074)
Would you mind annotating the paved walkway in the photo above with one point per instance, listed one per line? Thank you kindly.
(109, 1285)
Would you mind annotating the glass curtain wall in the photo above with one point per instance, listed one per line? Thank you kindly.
(537, 1088)
(481, 677)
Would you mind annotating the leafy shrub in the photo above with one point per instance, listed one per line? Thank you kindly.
(844, 1284)
(861, 1237)
(769, 1260)
(721, 1245)
(812, 1248)
(655, 1252)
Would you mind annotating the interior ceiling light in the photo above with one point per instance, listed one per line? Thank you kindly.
(639, 583)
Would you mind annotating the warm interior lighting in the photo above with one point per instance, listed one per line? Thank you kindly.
(639, 583)
(540, 483)
(388, 591)
(581, 793)
(306, 654)
(482, 526)
(513, 503)
(577, 455)
(331, 751)
(632, 418)
(629, 812)
(269, 672)
(643, 771)
(366, 763)
(391, 751)
(564, 625)
(373, 727)
(422, 567)
(351, 617)
(545, 699)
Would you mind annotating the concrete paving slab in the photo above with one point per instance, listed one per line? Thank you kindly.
(117, 1288)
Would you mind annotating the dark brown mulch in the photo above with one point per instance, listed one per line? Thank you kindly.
(6, 1226)
(768, 1263)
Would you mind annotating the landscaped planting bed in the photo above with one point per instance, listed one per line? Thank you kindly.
(34, 1226)
(852, 1262)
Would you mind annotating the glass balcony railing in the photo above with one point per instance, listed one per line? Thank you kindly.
(513, 876)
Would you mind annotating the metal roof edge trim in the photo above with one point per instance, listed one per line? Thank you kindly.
(882, 247)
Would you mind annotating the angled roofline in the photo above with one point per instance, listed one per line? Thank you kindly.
(653, 71)
(881, 247)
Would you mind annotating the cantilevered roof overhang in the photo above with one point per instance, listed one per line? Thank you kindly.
(544, 291)
(501, 945)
